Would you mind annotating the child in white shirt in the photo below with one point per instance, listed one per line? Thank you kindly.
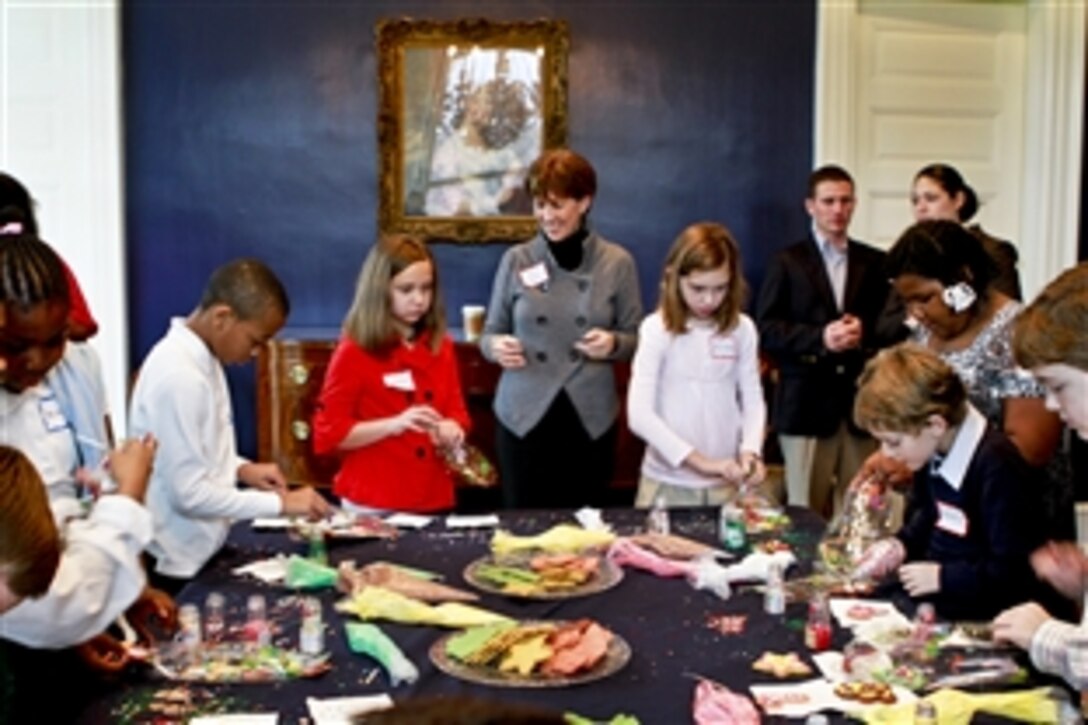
(695, 395)
(181, 397)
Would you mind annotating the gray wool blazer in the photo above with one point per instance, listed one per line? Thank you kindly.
(549, 317)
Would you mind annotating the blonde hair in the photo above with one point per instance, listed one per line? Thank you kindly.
(369, 321)
(700, 248)
(1053, 329)
(29, 542)
(903, 386)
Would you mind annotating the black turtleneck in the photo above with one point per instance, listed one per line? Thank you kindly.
(568, 252)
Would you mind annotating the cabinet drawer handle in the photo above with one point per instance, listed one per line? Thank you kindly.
(300, 429)
(298, 374)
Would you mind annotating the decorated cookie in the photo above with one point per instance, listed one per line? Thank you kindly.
(863, 612)
(781, 665)
(866, 693)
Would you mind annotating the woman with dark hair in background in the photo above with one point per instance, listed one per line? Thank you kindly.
(939, 192)
(946, 281)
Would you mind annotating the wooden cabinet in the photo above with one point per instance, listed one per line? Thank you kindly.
(289, 377)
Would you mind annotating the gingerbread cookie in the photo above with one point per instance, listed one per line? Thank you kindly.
(866, 693)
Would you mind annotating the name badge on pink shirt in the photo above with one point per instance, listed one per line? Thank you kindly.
(951, 519)
(400, 380)
(535, 276)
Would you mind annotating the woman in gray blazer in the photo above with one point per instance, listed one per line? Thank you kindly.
(564, 306)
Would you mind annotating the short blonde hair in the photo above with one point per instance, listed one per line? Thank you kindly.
(1053, 329)
(369, 321)
(700, 248)
(903, 386)
(29, 543)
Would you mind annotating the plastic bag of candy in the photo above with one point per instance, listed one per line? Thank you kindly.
(867, 515)
(470, 466)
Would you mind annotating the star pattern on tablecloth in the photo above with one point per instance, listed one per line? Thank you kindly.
(727, 624)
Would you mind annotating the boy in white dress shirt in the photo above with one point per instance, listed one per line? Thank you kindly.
(181, 398)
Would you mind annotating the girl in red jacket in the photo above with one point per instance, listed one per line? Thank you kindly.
(391, 401)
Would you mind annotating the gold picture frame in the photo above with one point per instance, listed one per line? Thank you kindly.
(464, 107)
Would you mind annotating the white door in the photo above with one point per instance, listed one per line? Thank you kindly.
(995, 89)
(939, 83)
(60, 136)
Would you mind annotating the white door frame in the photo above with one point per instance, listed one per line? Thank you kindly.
(1054, 79)
(65, 56)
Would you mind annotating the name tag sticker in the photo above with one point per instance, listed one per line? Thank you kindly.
(722, 348)
(535, 276)
(951, 519)
(399, 381)
(52, 417)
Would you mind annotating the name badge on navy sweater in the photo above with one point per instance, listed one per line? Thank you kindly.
(951, 519)
(723, 348)
(535, 276)
(53, 418)
(402, 380)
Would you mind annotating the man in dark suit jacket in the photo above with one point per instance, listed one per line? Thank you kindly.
(824, 309)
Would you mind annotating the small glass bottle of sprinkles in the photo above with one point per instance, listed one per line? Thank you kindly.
(311, 633)
(657, 522)
(774, 597)
(257, 629)
(214, 618)
(818, 627)
(318, 552)
(188, 635)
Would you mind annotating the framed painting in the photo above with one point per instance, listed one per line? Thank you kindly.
(464, 107)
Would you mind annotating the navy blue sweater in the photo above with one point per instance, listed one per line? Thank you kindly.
(988, 568)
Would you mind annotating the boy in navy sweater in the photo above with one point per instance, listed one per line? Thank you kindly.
(972, 521)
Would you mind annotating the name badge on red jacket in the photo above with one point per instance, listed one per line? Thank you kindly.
(402, 380)
(951, 519)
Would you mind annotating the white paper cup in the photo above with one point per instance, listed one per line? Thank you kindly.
(472, 318)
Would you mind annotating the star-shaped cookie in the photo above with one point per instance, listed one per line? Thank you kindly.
(781, 665)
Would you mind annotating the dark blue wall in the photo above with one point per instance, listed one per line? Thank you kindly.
(250, 130)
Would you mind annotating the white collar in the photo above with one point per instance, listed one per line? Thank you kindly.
(827, 249)
(954, 466)
(192, 343)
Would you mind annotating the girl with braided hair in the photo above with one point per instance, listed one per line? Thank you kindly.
(17, 216)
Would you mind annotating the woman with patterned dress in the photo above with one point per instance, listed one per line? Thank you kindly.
(945, 278)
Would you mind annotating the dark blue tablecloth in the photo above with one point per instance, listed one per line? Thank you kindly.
(664, 621)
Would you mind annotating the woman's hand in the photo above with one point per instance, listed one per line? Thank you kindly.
(1063, 566)
(418, 418)
(1019, 624)
(507, 351)
(448, 434)
(597, 344)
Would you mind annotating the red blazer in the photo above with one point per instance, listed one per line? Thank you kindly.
(402, 472)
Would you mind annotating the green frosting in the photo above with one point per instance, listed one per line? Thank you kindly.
(307, 574)
(460, 646)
